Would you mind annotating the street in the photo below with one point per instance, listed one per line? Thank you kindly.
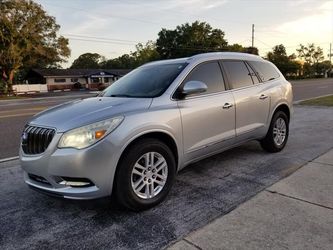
(305, 89)
(14, 114)
(202, 192)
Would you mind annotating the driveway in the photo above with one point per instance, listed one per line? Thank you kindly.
(202, 192)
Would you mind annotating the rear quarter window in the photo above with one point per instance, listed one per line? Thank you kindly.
(265, 70)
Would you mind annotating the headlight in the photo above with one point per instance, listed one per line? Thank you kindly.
(87, 135)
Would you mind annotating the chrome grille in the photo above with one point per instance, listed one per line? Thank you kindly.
(35, 140)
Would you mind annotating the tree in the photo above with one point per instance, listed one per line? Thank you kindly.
(88, 61)
(142, 54)
(239, 48)
(323, 68)
(28, 38)
(189, 39)
(235, 48)
(312, 56)
(286, 64)
(125, 61)
(145, 53)
(251, 50)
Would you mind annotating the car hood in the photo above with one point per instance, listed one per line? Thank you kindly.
(78, 113)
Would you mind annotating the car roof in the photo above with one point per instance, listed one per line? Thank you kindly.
(227, 55)
(210, 56)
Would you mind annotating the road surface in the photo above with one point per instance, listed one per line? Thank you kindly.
(14, 114)
(305, 89)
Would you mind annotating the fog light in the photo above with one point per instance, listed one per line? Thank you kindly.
(75, 182)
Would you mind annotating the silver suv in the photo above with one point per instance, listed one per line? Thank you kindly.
(133, 138)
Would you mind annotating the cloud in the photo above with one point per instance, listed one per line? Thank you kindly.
(188, 6)
(317, 25)
(214, 4)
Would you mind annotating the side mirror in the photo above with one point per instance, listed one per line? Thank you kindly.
(193, 87)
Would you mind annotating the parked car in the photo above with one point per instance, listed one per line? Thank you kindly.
(133, 138)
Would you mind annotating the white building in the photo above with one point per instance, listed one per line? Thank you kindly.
(60, 79)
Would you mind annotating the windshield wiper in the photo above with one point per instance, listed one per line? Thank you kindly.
(121, 95)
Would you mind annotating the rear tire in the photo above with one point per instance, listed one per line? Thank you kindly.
(277, 135)
(145, 174)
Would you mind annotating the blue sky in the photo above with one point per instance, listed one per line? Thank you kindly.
(113, 27)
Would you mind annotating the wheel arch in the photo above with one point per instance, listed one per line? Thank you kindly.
(161, 135)
(284, 108)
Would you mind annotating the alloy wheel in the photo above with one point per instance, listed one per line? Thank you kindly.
(279, 131)
(149, 175)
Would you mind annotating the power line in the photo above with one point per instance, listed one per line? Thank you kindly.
(292, 46)
(133, 42)
(101, 38)
(263, 42)
(99, 41)
(176, 48)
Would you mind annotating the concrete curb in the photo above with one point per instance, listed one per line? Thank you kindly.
(9, 159)
(299, 101)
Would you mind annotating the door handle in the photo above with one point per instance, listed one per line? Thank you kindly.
(227, 105)
(263, 97)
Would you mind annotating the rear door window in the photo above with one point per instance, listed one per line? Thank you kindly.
(265, 70)
(238, 74)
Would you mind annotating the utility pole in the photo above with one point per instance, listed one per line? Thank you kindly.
(330, 60)
(330, 55)
(252, 35)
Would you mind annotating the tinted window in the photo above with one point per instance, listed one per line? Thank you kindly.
(265, 71)
(147, 81)
(59, 80)
(238, 74)
(253, 75)
(210, 74)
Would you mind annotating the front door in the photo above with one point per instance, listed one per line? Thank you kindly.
(208, 119)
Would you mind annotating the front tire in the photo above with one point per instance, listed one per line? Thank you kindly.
(277, 135)
(145, 174)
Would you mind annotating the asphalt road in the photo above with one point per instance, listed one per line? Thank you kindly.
(305, 89)
(203, 191)
(14, 114)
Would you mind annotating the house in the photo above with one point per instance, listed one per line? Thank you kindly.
(60, 79)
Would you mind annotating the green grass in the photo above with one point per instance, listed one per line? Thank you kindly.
(321, 101)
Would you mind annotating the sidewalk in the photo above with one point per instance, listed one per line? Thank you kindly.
(294, 213)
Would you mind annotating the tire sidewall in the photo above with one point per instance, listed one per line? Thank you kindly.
(125, 192)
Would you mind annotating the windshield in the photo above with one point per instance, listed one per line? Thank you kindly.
(145, 82)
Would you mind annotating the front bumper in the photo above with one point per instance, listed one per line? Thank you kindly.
(60, 172)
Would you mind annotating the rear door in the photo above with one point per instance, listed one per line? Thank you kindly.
(251, 99)
(208, 118)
